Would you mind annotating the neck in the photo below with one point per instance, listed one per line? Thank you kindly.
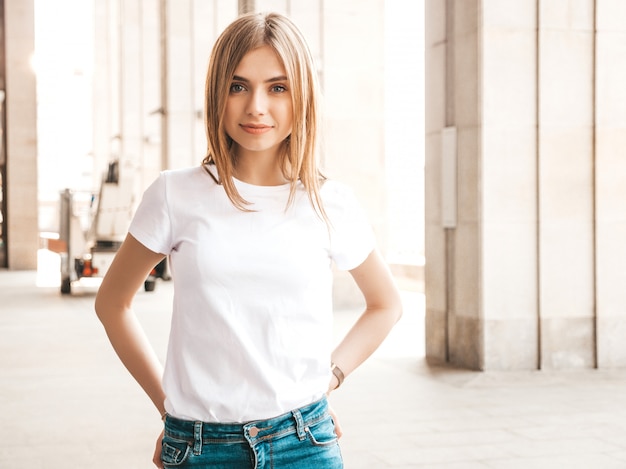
(259, 169)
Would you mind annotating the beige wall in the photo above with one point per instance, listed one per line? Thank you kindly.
(21, 138)
(149, 82)
(529, 277)
(609, 182)
(353, 75)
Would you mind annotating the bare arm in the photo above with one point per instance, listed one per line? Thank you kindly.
(383, 310)
(129, 269)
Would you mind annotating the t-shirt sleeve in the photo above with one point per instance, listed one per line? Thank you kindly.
(352, 237)
(151, 224)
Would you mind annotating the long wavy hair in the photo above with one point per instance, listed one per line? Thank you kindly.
(298, 152)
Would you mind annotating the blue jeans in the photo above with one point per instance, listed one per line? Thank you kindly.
(303, 438)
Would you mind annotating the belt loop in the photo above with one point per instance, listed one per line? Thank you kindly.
(197, 438)
(300, 429)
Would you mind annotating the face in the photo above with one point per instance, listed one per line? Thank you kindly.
(258, 109)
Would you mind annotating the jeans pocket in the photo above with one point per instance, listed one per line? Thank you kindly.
(322, 433)
(174, 452)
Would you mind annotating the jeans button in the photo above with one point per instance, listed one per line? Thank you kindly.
(254, 431)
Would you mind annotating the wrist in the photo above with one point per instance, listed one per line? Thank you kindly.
(338, 375)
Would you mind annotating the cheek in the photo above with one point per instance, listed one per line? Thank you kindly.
(229, 123)
(287, 113)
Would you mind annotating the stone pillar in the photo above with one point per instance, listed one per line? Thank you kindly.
(107, 132)
(179, 102)
(528, 274)
(565, 189)
(191, 27)
(151, 115)
(151, 58)
(435, 272)
(127, 89)
(22, 235)
(504, 183)
(610, 182)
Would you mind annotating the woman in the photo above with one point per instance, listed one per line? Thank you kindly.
(252, 235)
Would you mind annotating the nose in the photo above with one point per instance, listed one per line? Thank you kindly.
(257, 104)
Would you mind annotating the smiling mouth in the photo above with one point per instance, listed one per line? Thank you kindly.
(255, 128)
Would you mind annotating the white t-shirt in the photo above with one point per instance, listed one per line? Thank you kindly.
(251, 333)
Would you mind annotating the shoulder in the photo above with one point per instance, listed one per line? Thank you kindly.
(335, 189)
(341, 203)
(184, 174)
(186, 179)
(337, 194)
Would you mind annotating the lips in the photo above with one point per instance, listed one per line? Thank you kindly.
(256, 129)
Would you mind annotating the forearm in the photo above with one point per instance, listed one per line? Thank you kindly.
(113, 306)
(364, 338)
(383, 310)
(136, 353)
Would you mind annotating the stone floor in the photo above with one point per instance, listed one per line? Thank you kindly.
(66, 401)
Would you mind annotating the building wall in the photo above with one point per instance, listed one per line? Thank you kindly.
(150, 60)
(609, 182)
(22, 235)
(528, 276)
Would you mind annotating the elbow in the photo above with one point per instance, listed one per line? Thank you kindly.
(393, 309)
(106, 309)
(99, 308)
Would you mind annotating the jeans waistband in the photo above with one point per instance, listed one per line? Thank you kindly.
(295, 421)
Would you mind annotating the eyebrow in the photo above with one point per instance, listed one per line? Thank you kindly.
(270, 80)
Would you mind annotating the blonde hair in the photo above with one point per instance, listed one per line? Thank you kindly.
(298, 157)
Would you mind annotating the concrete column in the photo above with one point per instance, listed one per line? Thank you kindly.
(22, 235)
(140, 91)
(566, 184)
(127, 91)
(131, 87)
(209, 19)
(107, 131)
(191, 27)
(530, 274)
(435, 271)
(151, 58)
(610, 182)
(506, 185)
(151, 115)
(179, 105)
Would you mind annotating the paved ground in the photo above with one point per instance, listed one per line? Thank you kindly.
(66, 402)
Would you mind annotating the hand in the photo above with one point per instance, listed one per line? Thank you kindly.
(338, 429)
(156, 459)
(332, 385)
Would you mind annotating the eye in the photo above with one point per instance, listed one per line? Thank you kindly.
(278, 89)
(237, 88)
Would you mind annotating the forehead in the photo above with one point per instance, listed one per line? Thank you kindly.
(260, 62)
